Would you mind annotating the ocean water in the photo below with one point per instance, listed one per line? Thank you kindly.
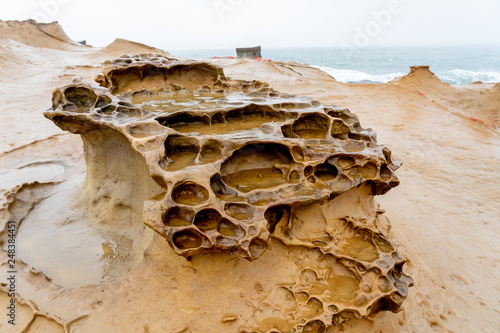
(455, 65)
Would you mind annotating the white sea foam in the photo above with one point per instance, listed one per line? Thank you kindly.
(462, 76)
(350, 75)
(456, 76)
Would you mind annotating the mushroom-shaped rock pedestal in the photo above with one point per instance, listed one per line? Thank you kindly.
(238, 166)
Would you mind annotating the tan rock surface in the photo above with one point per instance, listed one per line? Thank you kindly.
(443, 214)
(237, 169)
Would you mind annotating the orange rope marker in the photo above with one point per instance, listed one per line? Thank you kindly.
(482, 121)
(230, 57)
(277, 67)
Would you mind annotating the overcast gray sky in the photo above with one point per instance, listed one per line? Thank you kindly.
(214, 24)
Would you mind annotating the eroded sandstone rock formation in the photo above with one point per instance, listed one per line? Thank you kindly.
(230, 165)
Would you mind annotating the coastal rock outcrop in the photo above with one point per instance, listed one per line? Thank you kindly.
(37, 34)
(221, 165)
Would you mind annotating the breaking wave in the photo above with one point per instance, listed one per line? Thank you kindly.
(455, 76)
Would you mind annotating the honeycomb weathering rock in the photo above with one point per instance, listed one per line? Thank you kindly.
(156, 72)
(239, 164)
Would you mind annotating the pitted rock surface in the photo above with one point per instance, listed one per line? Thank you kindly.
(240, 164)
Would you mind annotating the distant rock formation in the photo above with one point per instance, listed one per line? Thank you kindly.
(421, 77)
(485, 107)
(30, 32)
